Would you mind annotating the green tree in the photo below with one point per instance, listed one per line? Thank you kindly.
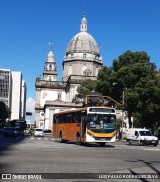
(4, 111)
(134, 74)
(149, 107)
(87, 87)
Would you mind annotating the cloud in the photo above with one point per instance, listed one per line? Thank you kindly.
(30, 105)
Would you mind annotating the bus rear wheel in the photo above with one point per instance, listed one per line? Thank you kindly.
(78, 139)
(60, 137)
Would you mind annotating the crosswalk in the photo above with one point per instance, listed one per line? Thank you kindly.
(40, 138)
(55, 142)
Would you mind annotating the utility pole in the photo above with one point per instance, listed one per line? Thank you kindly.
(122, 113)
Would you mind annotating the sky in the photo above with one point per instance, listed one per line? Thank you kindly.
(27, 27)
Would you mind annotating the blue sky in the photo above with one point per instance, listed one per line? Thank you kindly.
(27, 26)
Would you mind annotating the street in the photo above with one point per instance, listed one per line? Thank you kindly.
(28, 154)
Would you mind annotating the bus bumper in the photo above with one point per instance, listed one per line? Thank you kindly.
(91, 138)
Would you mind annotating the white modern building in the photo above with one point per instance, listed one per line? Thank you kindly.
(23, 100)
(82, 60)
(6, 87)
(13, 92)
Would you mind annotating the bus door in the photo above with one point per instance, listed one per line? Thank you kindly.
(83, 124)
(55, 128)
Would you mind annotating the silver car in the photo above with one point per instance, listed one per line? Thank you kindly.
(38, 132)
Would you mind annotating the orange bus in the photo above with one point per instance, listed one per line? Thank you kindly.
(86, 125)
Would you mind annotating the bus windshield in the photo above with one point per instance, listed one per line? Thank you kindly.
(101, 121)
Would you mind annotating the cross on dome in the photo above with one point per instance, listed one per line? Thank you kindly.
(50, 45)
(84, 12)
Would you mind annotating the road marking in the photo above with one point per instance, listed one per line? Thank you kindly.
(152, 149)
(46, 139)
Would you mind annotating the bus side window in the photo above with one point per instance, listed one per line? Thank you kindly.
(84, 117)
(74, 117)
(79, 117)
(59, 119)
(65, 118)
(54, 119)
(69, 118)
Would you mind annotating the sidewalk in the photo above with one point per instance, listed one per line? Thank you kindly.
(125, 140)
(119, 140)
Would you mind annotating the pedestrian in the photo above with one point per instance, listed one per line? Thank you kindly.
(120, 134)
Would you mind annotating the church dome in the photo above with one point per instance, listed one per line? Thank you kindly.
(82, 56)
(83, 42)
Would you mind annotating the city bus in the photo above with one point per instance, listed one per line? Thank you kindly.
(86, 125)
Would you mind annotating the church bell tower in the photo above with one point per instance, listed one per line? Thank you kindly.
(50, 68)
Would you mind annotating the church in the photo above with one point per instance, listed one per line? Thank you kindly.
(82, 60)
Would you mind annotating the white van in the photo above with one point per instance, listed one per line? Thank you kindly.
(142, 136)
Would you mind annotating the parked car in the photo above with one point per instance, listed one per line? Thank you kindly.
(141, 136)
(9, 131)
(47, 131)
(38, 132)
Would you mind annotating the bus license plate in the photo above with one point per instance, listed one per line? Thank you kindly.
(153, 142)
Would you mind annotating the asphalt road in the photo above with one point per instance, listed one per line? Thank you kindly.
(28, 154)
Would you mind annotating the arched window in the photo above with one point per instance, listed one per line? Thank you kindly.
(50, 67)
(84, 67)
(59, 95)
(69, 69)
(96, 71)
(49, 78)
(84, 56)
(87, 72)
